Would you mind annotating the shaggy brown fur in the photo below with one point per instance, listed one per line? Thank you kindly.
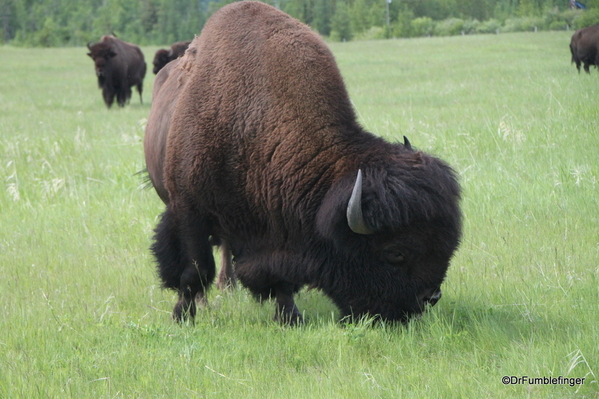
(119, 66)
(167, 86)
(163, 57)
(584, 47)
(263, 152)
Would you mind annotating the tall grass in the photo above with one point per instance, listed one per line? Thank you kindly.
(83, 314)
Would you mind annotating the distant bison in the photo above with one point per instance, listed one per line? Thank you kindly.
(584, 47)
(264, 151)
(163, 56)
(167, 86)
(119, 65)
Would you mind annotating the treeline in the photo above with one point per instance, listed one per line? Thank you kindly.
(50, 23)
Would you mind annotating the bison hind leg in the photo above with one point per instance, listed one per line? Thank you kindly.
(185, 262)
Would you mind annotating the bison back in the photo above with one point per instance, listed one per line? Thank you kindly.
(263, 93)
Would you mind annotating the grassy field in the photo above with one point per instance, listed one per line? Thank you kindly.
(83, 315)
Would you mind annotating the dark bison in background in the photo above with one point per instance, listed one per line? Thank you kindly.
(119, 66)
(264, 151)
(584, 47)
(167, 85)
(163, 57)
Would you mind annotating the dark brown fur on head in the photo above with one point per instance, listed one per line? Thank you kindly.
(163, 57)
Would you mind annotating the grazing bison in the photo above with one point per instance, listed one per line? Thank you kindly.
(167, 85)
(584, 47)
(119, 65)
(163, 56)
(264, 152)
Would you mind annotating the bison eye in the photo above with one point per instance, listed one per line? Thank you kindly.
(394, 257)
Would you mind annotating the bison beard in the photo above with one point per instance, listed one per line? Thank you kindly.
(264, 152)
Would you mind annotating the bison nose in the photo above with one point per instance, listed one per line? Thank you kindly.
(431, 296)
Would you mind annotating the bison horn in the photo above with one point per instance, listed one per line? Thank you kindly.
(355, 220)
(406, 143)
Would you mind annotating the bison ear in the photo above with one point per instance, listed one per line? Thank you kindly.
(90, 54)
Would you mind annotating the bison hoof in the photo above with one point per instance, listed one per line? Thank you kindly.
(290, 318)
(184, 310)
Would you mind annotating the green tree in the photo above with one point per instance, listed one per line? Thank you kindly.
(377, 13)
(149, 15)
(358, 16)
(475, 9)
(527, 8)
(340, 23)
(321, 16)
(8, 20)
(402, 24)
(296, 8)
(107, 17)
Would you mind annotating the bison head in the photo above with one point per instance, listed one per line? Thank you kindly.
(101, 53)
(161, 58)
(393, 238)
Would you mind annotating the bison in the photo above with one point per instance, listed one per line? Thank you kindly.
(264, 152)
(119, 66)
(163, 56)
(166, 88)
(584, 47)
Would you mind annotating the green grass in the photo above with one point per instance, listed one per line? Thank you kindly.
(83, 315)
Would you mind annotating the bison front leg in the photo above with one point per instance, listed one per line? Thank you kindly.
(185, 261)
(108, 96)
(193, 285)
(123, 95)
(287, 312)
(199, 269)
